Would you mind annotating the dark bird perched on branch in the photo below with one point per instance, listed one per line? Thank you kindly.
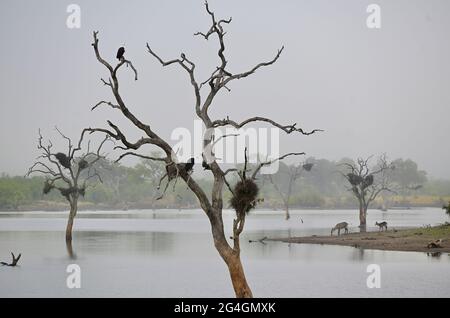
(14, 260)
(83, 164)
(368, 181)
(173, 171)
(354, 179)
(188, 166)
(63, 160)
(120, 53)
(205, 165)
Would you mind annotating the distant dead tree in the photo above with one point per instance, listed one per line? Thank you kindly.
(294, 172)
(447, 208)
(366, 183)
(68, 172)
(211, 201)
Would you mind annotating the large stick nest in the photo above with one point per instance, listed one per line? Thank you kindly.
(83, 164)
(63, 160)
(67, 192)
(244, 198)
(354, 179)
(368, 181)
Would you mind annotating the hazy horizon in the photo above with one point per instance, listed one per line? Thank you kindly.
(372, 91)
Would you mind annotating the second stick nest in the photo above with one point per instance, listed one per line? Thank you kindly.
(245, 196)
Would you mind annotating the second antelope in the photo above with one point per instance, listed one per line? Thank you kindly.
(381, 226)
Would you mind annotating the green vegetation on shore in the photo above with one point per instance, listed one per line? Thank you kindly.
(432, 232)
(136, 187)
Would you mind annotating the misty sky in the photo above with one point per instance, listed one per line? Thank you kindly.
(372, 91)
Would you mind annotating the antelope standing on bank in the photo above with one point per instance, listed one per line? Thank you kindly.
(381, 226)
(339, 227)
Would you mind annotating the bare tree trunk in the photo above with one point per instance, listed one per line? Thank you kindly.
(288, 216)
(233, 261)
(231, 256)
(70, 250)
(240, 285)
(362, 217)
(72, 213)
(288, 197)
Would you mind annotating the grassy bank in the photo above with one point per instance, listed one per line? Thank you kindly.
(411, 240)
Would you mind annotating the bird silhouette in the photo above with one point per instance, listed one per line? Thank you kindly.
(120, 53)
(189, 165)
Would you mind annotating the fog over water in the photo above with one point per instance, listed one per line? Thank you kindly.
(170, 253)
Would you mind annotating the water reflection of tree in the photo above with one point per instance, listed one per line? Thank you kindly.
(70, 250)
(129, 242)
(357, 254)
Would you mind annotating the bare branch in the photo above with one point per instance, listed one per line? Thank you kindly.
(286, 128)
(228, 185)
(109, 83)
(114, 84)
(69, 141)
(107, 103)
(38, 166)
(254, 69)
(229, 171)
(97, 53)
(140, 156)
(118, 135)
(187, 65)
(266, 163)
(128, 63)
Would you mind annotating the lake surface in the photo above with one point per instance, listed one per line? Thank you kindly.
(169, 253)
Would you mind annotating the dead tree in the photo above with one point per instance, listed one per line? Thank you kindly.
(366, 183)
(447, 208)
(68, 172)
(294, 173)
(244, 198)
(211, 201)
(14, 261)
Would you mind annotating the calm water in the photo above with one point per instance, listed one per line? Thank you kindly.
(169, 253)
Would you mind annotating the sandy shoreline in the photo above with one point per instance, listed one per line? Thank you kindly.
(408, 240)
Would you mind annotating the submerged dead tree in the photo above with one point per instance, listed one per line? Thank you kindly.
(67, 172)
(366, 183)
(211, 201)
(293, 174)
(14, 260)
